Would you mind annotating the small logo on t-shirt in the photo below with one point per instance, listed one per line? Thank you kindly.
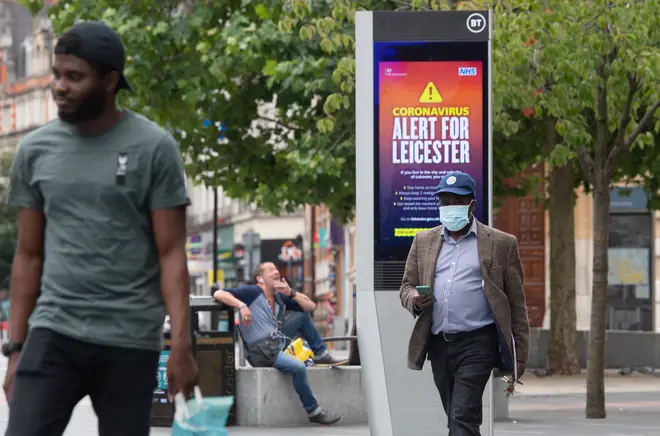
(120, 175)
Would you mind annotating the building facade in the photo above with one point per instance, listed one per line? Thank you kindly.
(325, 269)
(247, 236)
(26, 44)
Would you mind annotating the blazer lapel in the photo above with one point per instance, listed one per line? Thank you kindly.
(484, 247)
(433, 251)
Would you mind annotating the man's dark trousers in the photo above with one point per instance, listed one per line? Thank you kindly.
(55, 372)
(462, 365)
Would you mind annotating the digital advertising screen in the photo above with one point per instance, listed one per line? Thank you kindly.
(431, 117)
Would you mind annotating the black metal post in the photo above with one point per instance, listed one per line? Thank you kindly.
(215, 235)
(312, 273)
(289, 269)
(249, 247)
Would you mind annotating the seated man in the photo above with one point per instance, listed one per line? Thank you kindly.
(271, 312)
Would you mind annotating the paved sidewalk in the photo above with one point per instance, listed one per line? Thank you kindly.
(551, 406)
(563, 385)
(550, 418)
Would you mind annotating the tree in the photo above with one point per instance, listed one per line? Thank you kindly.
(196, 63)
(598, 60)
(278, 75)
(8, 226)
(518, 85)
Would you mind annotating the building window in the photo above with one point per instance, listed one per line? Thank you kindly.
(26, 58)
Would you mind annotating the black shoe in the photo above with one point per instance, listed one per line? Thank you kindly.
(329, 360)
(324, 418)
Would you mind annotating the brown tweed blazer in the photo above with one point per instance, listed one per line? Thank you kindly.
(502, 276)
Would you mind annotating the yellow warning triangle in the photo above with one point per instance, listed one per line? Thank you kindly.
(430, 94)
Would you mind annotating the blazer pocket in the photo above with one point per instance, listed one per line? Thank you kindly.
(496, 269)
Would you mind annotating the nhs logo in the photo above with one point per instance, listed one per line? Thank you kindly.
(467, 71)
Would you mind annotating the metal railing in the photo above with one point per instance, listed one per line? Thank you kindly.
(339, 338)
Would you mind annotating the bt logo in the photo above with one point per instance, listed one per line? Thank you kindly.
(476, 23)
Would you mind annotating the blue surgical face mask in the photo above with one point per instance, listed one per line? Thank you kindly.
(455, 218)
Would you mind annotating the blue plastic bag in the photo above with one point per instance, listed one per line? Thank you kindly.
(201, 416)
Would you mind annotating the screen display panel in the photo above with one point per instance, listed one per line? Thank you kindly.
(430, 118)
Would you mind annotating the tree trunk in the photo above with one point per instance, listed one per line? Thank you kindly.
(562, 347)
(596, 360)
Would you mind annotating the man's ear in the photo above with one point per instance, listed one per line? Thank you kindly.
(260, 280)
(473, 207)
(112, 81)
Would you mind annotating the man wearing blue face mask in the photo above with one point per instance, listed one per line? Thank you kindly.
(476, 318)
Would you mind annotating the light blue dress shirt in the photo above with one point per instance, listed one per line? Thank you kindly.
(460, 305)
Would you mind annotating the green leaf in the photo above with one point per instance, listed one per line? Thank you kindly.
(262, 11)
(270, 68)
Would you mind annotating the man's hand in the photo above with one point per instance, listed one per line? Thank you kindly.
(520, 366)
(181, 372)
(422, 302)
(9, 375)
(246, 315)
(283, 287)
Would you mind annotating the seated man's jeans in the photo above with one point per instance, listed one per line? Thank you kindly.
(301, 324)
(298, 371)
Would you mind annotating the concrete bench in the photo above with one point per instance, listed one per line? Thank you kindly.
(265, 397)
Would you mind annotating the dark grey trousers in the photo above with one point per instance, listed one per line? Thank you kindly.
(461, 369)
(55, 372)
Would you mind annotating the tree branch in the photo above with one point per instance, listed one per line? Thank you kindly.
(587, 163)
(625, 145)
(619, 143)
(643, 123)
(279, 123)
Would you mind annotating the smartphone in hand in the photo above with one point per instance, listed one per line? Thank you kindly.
(426, 291)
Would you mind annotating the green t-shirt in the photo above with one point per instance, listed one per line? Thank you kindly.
(101, 271)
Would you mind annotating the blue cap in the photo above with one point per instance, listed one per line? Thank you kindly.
(457, 182)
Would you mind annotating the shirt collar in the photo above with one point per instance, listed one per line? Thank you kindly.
(473, 230)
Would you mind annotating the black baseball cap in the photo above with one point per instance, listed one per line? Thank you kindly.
(99, 43)
(457, 182)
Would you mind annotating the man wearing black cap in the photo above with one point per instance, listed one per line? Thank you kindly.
(100, 257)
(476, 319)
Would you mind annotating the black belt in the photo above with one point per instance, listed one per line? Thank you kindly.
(452, 337)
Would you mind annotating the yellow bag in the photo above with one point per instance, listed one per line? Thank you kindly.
(298, 350)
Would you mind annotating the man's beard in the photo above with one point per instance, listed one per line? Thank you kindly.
(89, 109)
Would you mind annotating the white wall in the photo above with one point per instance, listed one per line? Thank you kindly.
(202, 203)
(270, 227)
(584, 255)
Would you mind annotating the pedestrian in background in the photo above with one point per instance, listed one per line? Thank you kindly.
(271, 314)
(475, 318)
